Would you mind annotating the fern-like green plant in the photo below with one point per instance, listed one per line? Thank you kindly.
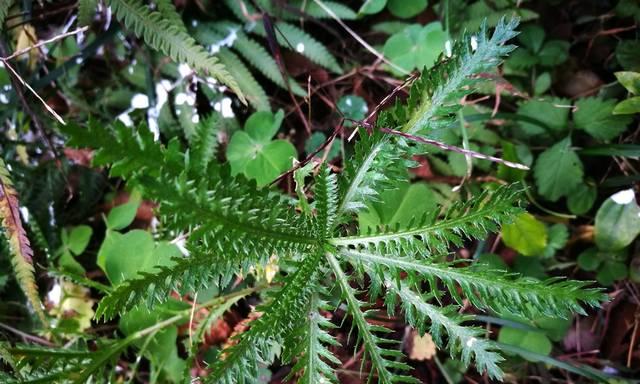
(232, 226)
(19, 245)
(163, 30)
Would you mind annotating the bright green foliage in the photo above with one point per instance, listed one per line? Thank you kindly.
(231, 226)
(432, 233)
(558, 170)
(526, 235)
(164, 35)
(416, 46)
(383, 358)
(467, 341)
(253, 153)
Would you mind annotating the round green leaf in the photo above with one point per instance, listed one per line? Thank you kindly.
(526, 235)
(352, 107)
(581, 199)
(610, 272)
(263, 125)
(589, 260)
(405, 9)
(316, 140)
(270, 161)
(547, 112)
(617, 221)
(627, 55)
(253, 153)
(122, 256)
(416, 46)
(595, 116)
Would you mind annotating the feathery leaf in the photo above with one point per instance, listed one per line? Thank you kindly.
(160, 33)
(21, 252)
(487, 289)
(383, 360)
(474, 218)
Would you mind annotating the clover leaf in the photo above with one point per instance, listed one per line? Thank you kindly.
(416, 47)
(253, 153)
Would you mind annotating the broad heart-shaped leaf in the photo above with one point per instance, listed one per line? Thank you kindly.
(617, 221)
(628, 106)
(595, 116)
(416, 46)
(274, 158)
(610, 265)
(405, 9)
(398, 206)
(252, 152)
(122, 256)
(526, 235)
(550, 112)
(558, 171)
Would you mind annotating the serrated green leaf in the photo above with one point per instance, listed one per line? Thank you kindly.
(558, 171)
(552, 112)
(595, 116)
